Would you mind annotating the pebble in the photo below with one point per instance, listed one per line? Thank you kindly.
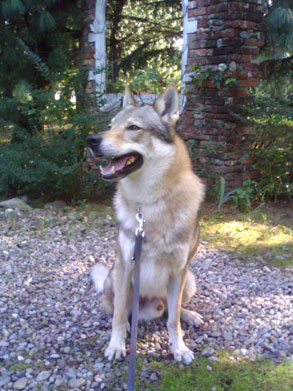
(44, 375)
(76, 383)
(208, 352)
(51, 317)
(20, 384)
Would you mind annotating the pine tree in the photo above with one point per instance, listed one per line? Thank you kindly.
(38, 46)
(278, 51)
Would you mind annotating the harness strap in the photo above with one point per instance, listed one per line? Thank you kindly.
(139, 234)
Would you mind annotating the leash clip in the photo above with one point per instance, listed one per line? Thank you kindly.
(140, 218)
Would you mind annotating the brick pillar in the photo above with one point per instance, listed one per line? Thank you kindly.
(228, 36)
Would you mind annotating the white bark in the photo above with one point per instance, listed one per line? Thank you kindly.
(98, 36)
(189, 27)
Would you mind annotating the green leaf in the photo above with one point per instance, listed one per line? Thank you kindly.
(47, 22)
(11, 7)
(221, 192)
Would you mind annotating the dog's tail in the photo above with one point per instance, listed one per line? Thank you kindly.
(99, 274)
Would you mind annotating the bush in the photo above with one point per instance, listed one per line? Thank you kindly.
(48, 162)
(272, 118)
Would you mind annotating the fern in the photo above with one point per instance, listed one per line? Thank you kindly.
(47, 22)
(35, 59)
(279, 21)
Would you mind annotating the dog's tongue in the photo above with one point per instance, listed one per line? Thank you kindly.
(115, 165)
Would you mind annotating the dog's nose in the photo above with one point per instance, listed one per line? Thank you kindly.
(94, 140)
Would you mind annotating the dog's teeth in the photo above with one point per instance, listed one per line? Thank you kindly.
(101, 168)
(113, 170)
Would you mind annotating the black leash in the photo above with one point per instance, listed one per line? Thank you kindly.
(139, 235)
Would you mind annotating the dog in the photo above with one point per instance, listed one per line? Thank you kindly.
(151, 164)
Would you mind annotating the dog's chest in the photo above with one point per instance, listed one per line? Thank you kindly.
(160, 258)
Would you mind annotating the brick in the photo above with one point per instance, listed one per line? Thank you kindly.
(208, 92)
(249, 83)
(197, 12)
(201, 35)
(224, 50)
(195, 60)
(249, 50)
(200, 52)
(229, 33)
(223, 117)
(202, 23)
(241, 58)
(254, 42)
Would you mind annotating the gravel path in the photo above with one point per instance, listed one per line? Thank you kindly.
(53, 335)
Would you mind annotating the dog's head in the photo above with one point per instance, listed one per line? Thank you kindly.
(133, 132)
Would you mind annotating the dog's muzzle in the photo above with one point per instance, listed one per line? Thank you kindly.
(117, 167)
(94, 142)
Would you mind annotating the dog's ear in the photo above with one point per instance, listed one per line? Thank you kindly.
(167, 105)
(128, 99)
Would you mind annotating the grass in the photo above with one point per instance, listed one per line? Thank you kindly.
(224, 375)
(265, 232)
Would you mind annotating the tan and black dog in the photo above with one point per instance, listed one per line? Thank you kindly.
(154, 174)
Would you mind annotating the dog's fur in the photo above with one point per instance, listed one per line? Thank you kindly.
(169, 195)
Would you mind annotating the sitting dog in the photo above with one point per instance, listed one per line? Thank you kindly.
(154, 174)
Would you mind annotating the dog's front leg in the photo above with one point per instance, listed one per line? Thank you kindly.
(174, 297)
(122, 280)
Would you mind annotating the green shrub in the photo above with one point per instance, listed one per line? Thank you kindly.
(271, 117)
(48, 162)
(39, 166)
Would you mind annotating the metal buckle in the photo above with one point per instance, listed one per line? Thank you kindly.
(140, 218)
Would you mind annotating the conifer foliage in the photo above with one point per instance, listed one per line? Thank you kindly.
(38, 46)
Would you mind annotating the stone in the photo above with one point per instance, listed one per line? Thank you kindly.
(44, 375)
(154, 376)
(222, 67)
(20, 384)
(232, 66)
(227, 335)
(15, 203)
(208, 352)
(76, 382)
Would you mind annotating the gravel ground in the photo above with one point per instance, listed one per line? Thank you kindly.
(53, 334)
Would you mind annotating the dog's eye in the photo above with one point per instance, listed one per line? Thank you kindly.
(132, 127)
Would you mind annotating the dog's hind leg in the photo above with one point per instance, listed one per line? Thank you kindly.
(99, 274)
(102, 277)
(192, 318)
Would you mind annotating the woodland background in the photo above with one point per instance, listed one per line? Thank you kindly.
(45, 114)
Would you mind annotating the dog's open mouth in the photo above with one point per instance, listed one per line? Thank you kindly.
(121, 166)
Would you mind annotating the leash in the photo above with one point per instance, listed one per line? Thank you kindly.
(139, 235)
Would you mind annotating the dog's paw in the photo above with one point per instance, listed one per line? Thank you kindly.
(115, 349)
(192, 318)
(182, 353)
